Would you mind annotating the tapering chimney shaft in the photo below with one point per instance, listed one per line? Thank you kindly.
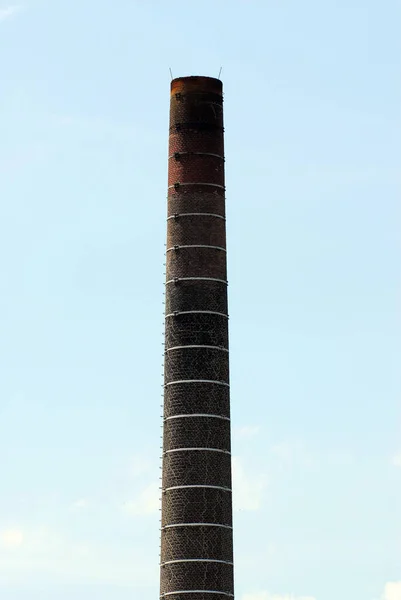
(196, 536)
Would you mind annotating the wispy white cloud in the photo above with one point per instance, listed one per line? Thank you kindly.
(392, 591)
(268, 596)
(80, 504)
(293, 454)
(9, 11)
(397, 460)
(248, 488)
(57, 554)
(11, 538)
(246, 432)
(147, 502)
(139, 465)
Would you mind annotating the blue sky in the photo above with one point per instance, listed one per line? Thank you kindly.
(312, 96)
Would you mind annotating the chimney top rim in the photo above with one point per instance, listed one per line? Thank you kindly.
(194, 83)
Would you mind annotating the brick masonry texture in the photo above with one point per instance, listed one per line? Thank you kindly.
(210, 542)
(196, 363)
(196, 397)
(197, 432)
(196, 295)
(196, 229)
(193, 505)
(196, 535)
(204, 329)
(191, 168)
(196, 199)
(196, 262)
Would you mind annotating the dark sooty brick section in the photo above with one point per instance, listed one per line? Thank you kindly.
(196, 536)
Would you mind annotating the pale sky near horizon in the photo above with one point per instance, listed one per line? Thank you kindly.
(312, 116)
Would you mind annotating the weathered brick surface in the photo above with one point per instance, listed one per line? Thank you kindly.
(196, 168)
(196, 363)
(196, 397)
(196, 295)
(194, 505)
(202, 107)
(206, 542)
(197, 432)
(196, 140)
(196, 199)
(196, 468)
(196, 229)
(207, 576)
(196, 262)
(196, 479)
(192, 329)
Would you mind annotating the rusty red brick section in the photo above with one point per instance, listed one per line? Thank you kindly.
(196, 535)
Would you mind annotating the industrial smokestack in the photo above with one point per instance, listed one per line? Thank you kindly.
(196, 534)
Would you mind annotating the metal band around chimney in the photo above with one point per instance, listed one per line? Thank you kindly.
(196, 450)
(196, 312)
(197, 486)
(195, 154)
(196, 246)
(213, 381)
(178, 525)
(197, 415)
(194, 560)
(228, 594)
(178, 279)
(179, 185)
(197, 346)
(197, 214)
